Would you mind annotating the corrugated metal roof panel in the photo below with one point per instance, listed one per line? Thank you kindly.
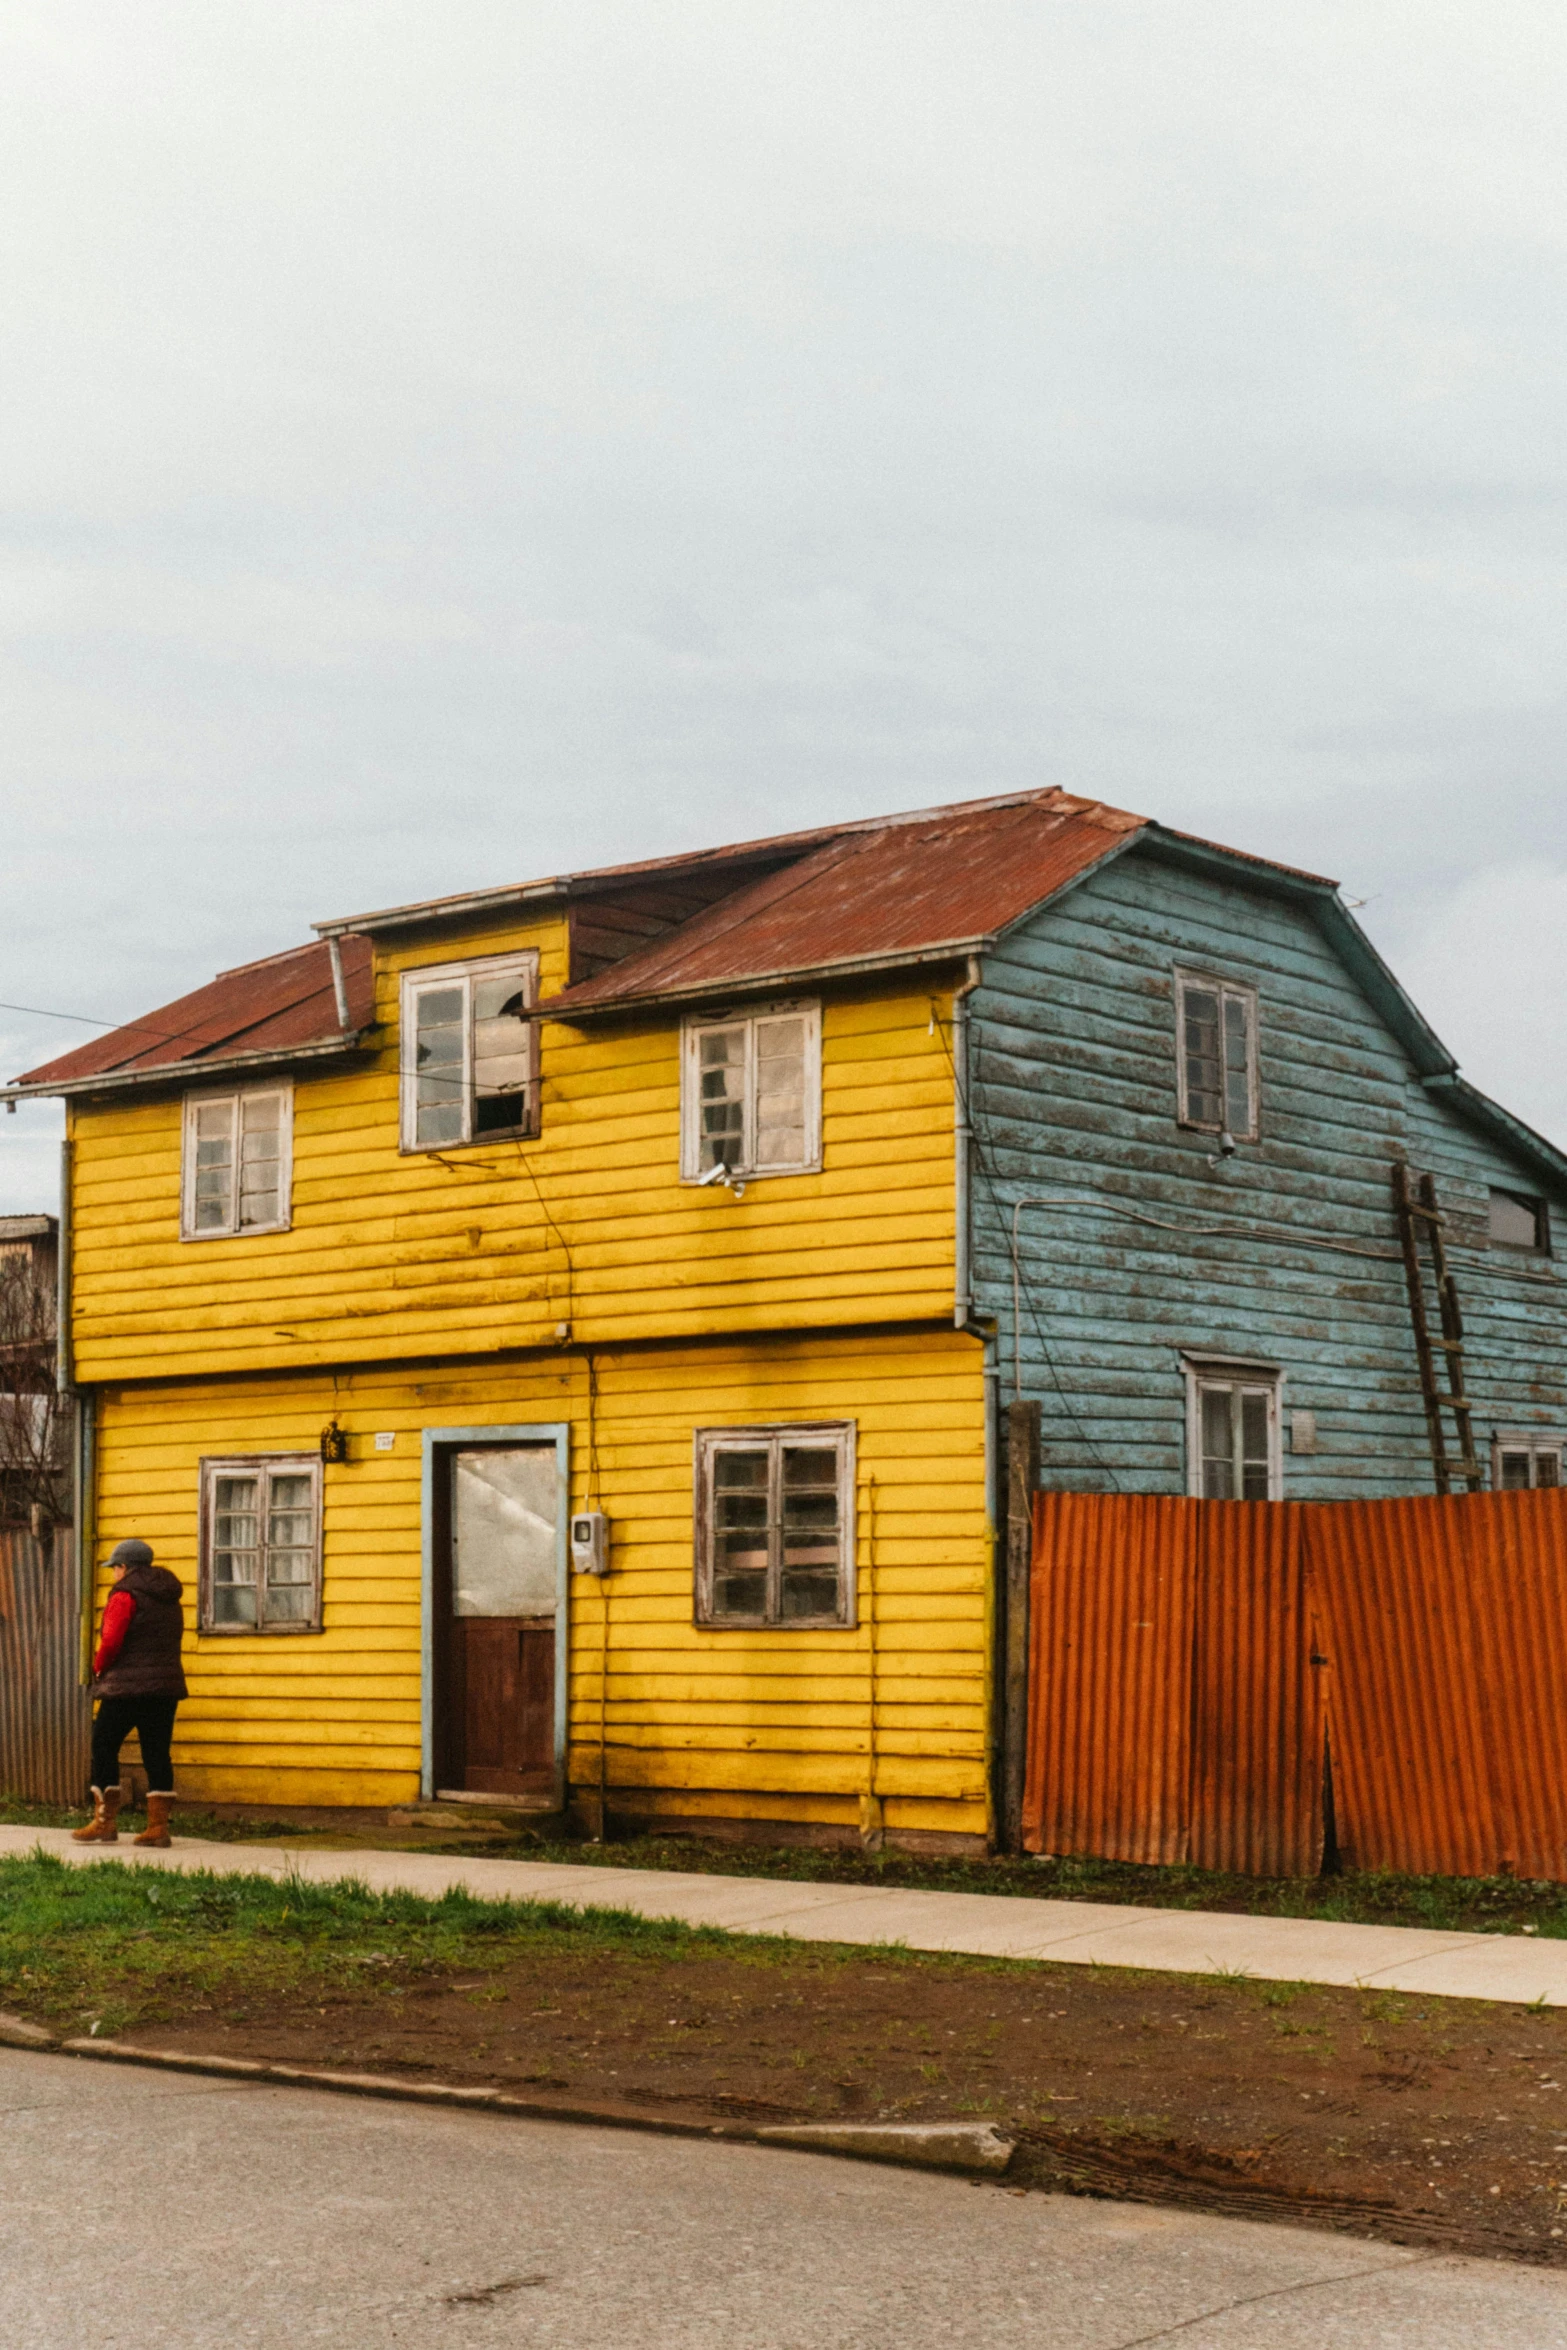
(906, 889)
(272, 1006)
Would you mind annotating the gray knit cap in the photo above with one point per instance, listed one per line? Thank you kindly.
(133, 1553)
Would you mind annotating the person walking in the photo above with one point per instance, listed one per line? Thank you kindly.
(138, 1683)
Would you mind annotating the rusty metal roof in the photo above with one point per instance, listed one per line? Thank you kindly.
(260, 1011)
(909, 890)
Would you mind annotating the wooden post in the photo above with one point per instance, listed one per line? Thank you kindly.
(1022, 1480)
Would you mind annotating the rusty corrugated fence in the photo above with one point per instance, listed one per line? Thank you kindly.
(1194, 1664)
(45, 1714)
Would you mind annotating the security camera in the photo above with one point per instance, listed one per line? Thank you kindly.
(718, 1174)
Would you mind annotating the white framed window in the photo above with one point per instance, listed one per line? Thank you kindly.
(751, 1093)
(1216, 1055)
(469, 1052)
(1234, 1447)
(238, 1162)
(261, 1543)
(1525, 1460)
(1518, 1219)
(775, 1525)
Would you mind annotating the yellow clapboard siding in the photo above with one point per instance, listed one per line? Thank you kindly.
(736, 1721)
(589, 1222)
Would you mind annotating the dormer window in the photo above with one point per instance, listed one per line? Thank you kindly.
(751, 1090)
(1216, 1055)
(470, 1070)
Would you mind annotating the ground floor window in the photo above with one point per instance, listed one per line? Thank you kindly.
(1233, 1449)
(1526, 1462)
(261, 1544)
(775, 1525)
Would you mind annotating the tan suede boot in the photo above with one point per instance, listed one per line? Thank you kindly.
(101, 1828)
(157, 1829)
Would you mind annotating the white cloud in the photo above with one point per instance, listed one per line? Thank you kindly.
(452, 443)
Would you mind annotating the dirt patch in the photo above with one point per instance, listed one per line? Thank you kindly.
(1415, 2120)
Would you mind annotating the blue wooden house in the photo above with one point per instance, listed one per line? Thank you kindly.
(1193, 1086)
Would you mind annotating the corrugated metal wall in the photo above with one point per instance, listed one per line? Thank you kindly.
(1174, 1713)
(45, 1715)
(1445, 1626)
(1189, 1658)
(1110, 1676)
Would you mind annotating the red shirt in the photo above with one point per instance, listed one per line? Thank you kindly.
(117, 1614)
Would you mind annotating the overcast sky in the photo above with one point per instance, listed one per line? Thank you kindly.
(448, 444)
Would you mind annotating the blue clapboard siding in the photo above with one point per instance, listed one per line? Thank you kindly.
(1073, 1090)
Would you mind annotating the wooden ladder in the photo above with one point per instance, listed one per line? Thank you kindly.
(1416, 1209)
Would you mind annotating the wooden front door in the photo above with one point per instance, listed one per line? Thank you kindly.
(497, 1669)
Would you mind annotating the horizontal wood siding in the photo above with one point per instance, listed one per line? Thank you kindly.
(1074, 1091)
(795, 1725)
(467, 1250)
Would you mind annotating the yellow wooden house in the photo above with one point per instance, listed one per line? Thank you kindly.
(535, 1324)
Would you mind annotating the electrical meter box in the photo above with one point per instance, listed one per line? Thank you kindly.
(590, 1543)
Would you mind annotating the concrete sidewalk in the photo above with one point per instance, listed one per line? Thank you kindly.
(1508, 1967)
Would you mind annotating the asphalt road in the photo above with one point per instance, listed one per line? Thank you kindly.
(165, 2212)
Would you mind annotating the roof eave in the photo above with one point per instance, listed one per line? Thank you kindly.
(1501, 1125)
(760, 982)
(183, 1072)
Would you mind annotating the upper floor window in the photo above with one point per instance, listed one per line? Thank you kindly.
(751, 1093)
(261, 1544)
(470, 1069)
(238, 1162)
(1233, 1446)
(1216, 1055)
(775, 1525)
(1525, 1463)
(1518, 1220)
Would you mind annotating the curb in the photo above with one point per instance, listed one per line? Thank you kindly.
(971, 2149)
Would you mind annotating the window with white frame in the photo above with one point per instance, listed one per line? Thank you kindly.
(1233, 1445)
(751, 1093)
(261, 1543)
(1525, 1461)
(1216, 1055)
(469, 1058)
(238, 1162)
(775, 1525)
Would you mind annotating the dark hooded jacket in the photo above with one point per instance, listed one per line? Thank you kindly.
(148, 1663)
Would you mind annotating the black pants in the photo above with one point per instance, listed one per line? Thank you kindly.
(152, 1718)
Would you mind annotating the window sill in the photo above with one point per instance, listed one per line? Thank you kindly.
(255, 1631)
(246, 1232)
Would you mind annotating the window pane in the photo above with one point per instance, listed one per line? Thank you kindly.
(214, 1185)
(1237, 1065)
(1204, 1062)
(440, 1081)
(236, 1551)
(721, 1053)
(1515, 1472)
(807, 1594)
(260, 1157)
(1548, 1469)
(1516, 1219)
(505, 1552)
(1217, 1414)
(501, 1058)
(740, 1532)
(780, 1093)
(739, 1595)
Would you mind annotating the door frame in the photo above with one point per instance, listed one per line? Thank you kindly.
(438, 1444)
